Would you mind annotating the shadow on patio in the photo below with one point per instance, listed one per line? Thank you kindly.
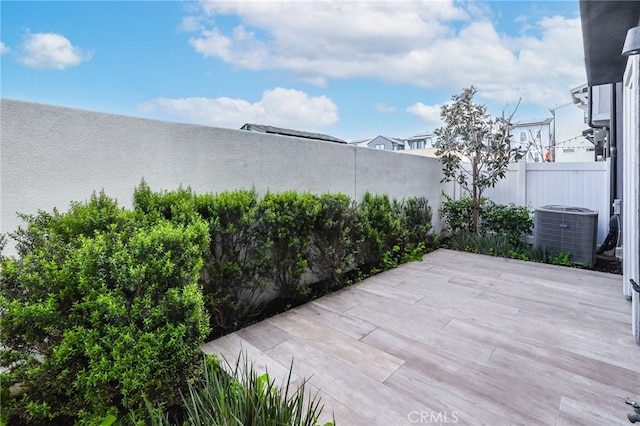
(459, 338)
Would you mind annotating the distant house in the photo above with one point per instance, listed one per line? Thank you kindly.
(420, 141)
(421, 144)
(260, 128)
(534, 138)
(382, 142)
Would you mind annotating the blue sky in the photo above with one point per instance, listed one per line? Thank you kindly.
(346, 68)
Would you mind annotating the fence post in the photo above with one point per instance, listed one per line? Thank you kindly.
(521, 196)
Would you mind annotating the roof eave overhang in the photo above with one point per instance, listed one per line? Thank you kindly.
(604, 28)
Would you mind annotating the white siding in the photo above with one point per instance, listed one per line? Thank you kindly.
(631, 190)
(537, 139)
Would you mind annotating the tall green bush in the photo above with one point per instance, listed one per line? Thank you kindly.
(103, 309)
(100, 311)
(236, 265)
(337, 236)
(285, 223)
(83, 219)
(176, 206)
(236, 269)
(382, 230)
(457, 215)
(416, 219)
(515, 222)
(502, 229)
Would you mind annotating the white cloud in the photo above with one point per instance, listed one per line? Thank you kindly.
(51, 50)
(190, 24)
(385, 109)
(4, 48)
(277, 107)
(329, 39)
(444, 45)
(429, 114)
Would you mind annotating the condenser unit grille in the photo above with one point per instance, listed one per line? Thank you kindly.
(562, 229)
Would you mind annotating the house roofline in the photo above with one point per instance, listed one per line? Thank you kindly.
(261, 128)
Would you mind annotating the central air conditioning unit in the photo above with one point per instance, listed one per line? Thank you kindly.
(562, 229)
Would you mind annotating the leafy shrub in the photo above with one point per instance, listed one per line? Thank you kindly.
(100, 311)
(285, 223)
(458, 215)
(394, 231)
(175, 206)
(382, 231)
(103, 310)
(416, 219)
(501, 245)
(235, 266)
(277, 239)
(516, 222)
(492, 244)
(562, 259)
(337, 236)
(84, 219)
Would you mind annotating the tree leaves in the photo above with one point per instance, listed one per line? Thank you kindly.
(474, 148)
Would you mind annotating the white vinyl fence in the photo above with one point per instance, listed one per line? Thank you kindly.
(539, 184)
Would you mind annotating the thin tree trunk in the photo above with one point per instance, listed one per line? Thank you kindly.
(476, 202)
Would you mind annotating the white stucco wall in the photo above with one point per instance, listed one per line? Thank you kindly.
(50, 156)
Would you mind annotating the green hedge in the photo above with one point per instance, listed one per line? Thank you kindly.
(100, 311)
(104, 309)
(285, 225)
(336, 241)
(514, 222)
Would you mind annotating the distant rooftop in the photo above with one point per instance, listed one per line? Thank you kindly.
(289, 132)
(421, 136)
(532, 122)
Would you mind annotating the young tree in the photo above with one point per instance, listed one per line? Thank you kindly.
(471, 134)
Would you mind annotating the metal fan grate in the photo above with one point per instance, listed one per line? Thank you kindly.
(562, 229)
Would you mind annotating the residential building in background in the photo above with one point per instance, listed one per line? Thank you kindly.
(564, 137)
(534, 138)
(421, 144)
(420, 141)
(381, 142)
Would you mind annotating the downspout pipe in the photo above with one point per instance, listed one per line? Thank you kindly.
(613, 146)
(610, 149)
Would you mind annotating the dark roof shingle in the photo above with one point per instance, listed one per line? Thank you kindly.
(289, 132)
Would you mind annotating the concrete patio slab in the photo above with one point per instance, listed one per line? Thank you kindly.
(458, 338)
